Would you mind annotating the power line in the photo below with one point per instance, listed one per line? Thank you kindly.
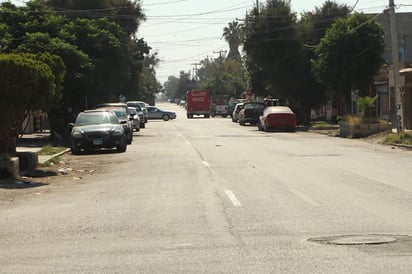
(166, 3)
(197, 14)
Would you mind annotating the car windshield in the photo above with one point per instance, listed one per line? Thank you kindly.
(95, 119)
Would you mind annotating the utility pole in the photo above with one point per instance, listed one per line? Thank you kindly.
(221, 53)
(194, 76)
(395, 64)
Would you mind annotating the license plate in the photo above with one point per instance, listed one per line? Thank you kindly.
(97, 142)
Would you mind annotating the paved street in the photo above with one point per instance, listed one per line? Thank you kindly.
(210, 196)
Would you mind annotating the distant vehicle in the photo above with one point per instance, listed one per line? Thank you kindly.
(135, 118)
(198, 103)
(96, 129)
(235, 113)
(156, 113)
(277, 118)
(251, 112)
(123, 117)
(142, 105)
(231, 105)
(219, 105)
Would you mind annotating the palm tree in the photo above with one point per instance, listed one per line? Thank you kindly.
(233, 34)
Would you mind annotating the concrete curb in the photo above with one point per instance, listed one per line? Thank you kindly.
(44, 158)
(408, 147)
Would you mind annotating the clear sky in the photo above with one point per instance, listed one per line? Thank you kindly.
(184, 32)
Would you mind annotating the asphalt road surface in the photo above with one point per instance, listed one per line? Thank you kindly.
(210, 196)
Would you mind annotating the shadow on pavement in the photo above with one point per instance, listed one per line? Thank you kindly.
(12, 184)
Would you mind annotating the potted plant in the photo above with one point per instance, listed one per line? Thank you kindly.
(355, 126)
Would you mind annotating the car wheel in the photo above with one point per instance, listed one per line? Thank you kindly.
(130, 138)
(143, 125)
(259, 126)
(207, 116)
(166, 117)
(121, 147)
(75, 150)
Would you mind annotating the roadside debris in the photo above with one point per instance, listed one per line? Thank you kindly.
(64, 170)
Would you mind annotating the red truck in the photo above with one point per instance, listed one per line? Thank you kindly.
(198, 103)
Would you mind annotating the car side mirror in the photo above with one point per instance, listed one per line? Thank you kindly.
(70, 125)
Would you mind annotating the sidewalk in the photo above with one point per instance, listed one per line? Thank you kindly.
(34, 142)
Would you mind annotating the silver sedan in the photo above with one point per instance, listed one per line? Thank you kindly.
(156, 113)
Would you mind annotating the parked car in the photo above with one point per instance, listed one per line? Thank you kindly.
(232, 104)
(123, 117)
(251, 112)
(277, 118)
(157, 113)
(119, 105)
(134, 115)
(140, 114)
(235, 113)
(96, 129)
(140, 105)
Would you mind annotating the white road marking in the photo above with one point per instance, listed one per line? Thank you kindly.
(205, 163)
(304, 197)
(232, 198)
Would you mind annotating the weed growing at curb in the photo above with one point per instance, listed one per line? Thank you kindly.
(404, 138)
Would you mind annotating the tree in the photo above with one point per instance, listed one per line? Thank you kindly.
(350, 55)
(223, 77)
(325, 16)
(171, 86)
(96, 40)
(27, 83)
(233, 34)
(150, 86)
(127, 14)
(274, 50)
(185, 84)
(6, 37)
(277, 61)
(312, 27)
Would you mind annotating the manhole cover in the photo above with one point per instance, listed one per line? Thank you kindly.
(370, 239)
